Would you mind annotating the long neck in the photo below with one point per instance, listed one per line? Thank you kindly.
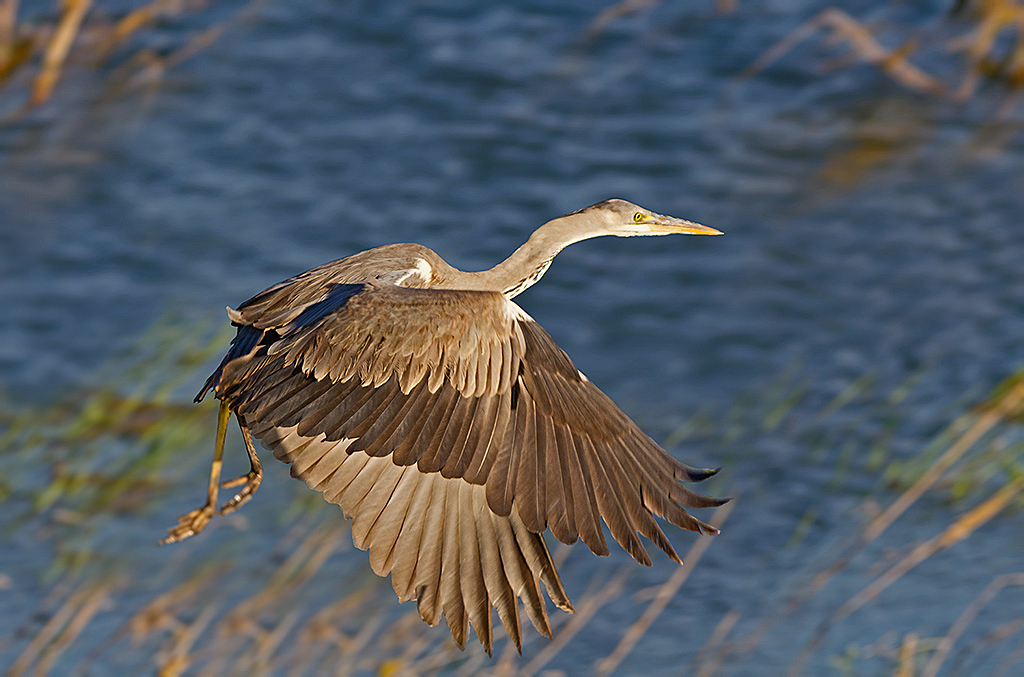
(527, 264)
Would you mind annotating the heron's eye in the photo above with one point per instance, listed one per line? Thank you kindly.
(639, 217)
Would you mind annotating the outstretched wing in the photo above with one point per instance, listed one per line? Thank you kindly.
(454, 431)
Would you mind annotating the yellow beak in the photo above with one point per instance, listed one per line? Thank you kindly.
(670, 224)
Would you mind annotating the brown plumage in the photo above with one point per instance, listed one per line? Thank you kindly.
(448, 424)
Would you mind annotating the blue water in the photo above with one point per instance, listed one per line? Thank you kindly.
(313, 130)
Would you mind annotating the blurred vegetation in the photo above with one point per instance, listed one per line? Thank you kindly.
(971, 42)
(967, 43)
(986, 37)
(97, 460)
(80, 39)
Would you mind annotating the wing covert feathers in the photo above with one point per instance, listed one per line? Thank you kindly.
(453, 431)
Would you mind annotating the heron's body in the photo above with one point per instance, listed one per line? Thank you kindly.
(448, 424)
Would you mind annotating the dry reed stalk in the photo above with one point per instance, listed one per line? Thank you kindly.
(995, 17)
(267, 643)
(1007, 404)
(8, 32)
(173, 657)
(241, 625)
(443, 654)
(593, 600)
(967, 617)
(57, 49)
(627, 7)
(864, 46)
(156, 615)
(1001, 633)
(305, 560)
(708, 664)
(75, 36)
(1010, 402)
(63, 627)
(506, 663)
(411, 625)
(136, 20)
(144, 16)
(323, 626)
(708, 667)
(665, 594)
(962, 528)
(609, 14)
(93, 601)
(346, 663)
(907, 653)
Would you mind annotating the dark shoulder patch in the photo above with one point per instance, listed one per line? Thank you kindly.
(336, 299)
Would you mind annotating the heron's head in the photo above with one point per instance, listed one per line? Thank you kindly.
(625, 219)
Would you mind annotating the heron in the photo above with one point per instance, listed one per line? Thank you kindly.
(448, 425)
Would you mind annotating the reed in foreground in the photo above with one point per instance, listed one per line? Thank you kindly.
(101, 464)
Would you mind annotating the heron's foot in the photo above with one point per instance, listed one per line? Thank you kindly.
(190, 524)
(252, 480)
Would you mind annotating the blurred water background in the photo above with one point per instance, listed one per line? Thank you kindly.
(865, 303)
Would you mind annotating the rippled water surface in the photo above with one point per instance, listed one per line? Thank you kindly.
(870, 232)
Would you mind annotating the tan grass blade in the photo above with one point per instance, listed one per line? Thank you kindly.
(57, 50)
(710, 656)
(1009, 403)
(665, 594)
(953, 534)
(945, 645)
(908, 650)
(864, 46)
(62, 628)
(8, 31)
(592, 602)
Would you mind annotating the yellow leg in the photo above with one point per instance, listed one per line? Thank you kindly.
(193, 522)
(252, 479)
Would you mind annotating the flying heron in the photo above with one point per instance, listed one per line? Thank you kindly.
(448, 424)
